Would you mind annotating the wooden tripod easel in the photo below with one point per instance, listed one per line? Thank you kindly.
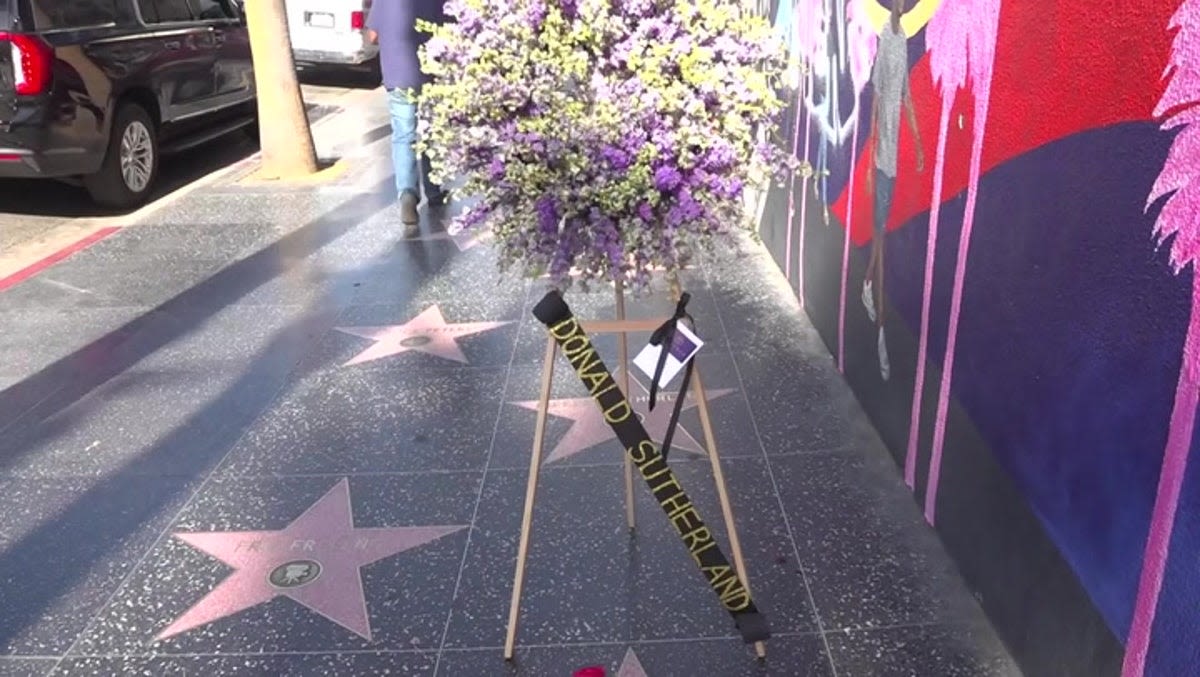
(623, 327)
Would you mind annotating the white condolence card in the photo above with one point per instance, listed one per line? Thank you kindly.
(684, 346)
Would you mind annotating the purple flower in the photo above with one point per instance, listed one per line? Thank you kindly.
(547, 214)
(646, 212)
(667, 178)
(568, 195)
(537, 14)
(496, 168)
(718, 158)
(616, 158)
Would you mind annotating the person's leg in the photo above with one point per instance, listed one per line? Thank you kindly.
(883, 206)
(404, 159)
(868, 292)
(879, 280)
(885, 184)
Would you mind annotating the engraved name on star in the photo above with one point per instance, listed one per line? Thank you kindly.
(588, 427)
(314, 560)
(427, 333)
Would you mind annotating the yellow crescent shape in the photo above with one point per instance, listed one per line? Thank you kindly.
(911, 23)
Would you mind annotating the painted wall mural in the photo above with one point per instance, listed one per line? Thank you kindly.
(1021, 318)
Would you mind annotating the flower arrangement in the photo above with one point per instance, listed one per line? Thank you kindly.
(604, 137)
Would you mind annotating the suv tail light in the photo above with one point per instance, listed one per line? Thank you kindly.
(357, 21)
(31, 63)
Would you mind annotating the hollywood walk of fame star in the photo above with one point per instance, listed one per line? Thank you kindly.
(314, 560)
(630, 667)
(427, 333)
(588, 427)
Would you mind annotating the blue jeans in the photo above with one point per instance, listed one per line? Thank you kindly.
(404, 156)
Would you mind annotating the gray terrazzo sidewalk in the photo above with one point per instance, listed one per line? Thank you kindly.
(193, 403)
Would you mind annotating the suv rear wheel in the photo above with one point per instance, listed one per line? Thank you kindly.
(131, 163)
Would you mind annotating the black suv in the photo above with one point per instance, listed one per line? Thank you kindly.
(98, 89)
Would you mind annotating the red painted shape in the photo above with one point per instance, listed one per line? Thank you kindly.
(68, 251)
(1061, 68)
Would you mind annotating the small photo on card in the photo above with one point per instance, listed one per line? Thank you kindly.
(683, 347)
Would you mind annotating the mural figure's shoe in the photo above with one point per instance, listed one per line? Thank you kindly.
(885, 367)
(868, 299)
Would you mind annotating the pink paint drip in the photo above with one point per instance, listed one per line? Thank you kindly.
(803, 204)
(1166, 501)
(982, 101)
(787, 258)
(939, 170)
(846, 256)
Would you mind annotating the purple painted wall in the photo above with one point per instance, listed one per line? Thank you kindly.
(1034, 361)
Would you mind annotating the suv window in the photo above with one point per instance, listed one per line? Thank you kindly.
(51, 15)
(164, 11)
(213, 10)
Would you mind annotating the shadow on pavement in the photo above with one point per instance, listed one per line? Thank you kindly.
(87, 523)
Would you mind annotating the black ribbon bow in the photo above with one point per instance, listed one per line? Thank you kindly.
(665, 336)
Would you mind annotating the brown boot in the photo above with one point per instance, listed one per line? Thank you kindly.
(408, 209)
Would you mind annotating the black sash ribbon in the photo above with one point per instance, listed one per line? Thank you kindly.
(665, 336)
(652, 465)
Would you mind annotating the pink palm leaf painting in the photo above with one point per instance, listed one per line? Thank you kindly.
(961, 41)
(1179, 223)
(862, 43)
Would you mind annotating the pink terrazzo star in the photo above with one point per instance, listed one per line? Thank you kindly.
(631, 666)
(588, 427)
(314, 561)
(427, 333)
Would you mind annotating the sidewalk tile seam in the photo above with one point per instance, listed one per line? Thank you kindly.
(157, 542)
(782, 509)
(500, 413)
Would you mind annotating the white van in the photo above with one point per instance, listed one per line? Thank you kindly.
(330, 32)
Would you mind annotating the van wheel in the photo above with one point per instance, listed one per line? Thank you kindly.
(131, 163)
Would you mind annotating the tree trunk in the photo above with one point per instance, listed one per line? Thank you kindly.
(287, 145)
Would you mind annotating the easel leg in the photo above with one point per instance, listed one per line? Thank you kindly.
(710, 443)
(535, 458)
(623, 359)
